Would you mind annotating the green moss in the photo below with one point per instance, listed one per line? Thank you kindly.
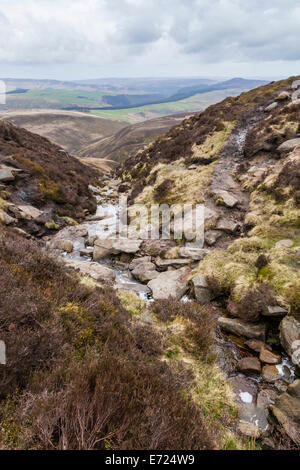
(49, 189)
(132, 302)
(52, 225)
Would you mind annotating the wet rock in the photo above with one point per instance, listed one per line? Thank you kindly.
(170, 284)
(249, 365)
(5, 218)
(164, 264)
(288, 145)
(94, 270)
(196, 254)
(87, 252)
(6, 175)
(103, 249)
(145, 271)
(249, 429)
(125, 245)
(255, 345)
(62, 244)
(286, 410)
(71, 233)
(269, 357)
(290, 338)
(224, 197)
(276, 311)
(241, 328)
(270, 374)
(202, 292)
(266, 397)
(211, 237)
(91, 240)
(228, 226)
(271, 107)
(284, 244)
(281, 386)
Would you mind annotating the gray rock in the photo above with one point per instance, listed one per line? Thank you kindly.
(290, 338)
(241, 328)
(295, 84)
(226, 198)
(145, 271)
(94, 270)
(211, 237)
(164, 264)
(227, 225)
(286, 410)
(266, 397)
(87, 252)
(5, 218)
(271, 107)
(135, 262)
(288, 145)
(103, 248)
(284, 244)
(202, 292)
(62, 244)
(170, 284)
(6, 175)
(29, 212)
(196, 254)
(125, 245)
(275, 311)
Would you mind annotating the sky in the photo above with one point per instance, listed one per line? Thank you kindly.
(80, 39)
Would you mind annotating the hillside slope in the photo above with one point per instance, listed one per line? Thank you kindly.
(38, 176)
(73, 131)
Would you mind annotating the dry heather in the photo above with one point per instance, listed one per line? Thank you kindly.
(92, 376)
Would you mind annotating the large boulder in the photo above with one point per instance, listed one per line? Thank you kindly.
(286, 410)
(5, 218)
(103, 248)
(249, 365)
(241, 328)
(94, 270)
(290, 338)
(170, 284)
(202, 292)
(62, 244)
(135, 262)
(145, 271)
(288, 145)
(126, 245)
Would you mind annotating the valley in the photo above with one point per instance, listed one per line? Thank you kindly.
(152, 343)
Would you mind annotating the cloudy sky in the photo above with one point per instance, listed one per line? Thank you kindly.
(77, 39)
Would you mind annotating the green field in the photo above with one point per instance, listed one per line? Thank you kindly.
(143, 113)
(61, 97)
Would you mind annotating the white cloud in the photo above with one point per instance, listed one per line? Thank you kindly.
(148, 34)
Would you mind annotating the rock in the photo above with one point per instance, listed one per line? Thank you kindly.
(286, 410)
(295, 84)
(255, 345)
(61, 244)
(87, 252)
(276, 311)
(284, 95)
(281, 386)
(94, 189)
(5, 218)
(164, 264)
(21, 232)
(249, 429)
(224, 197)
(125, 245)
(211, 237)
(271, 107)
(6, 175)
(73, 232)
(266, 397)
(191, 225)
(145, 271)
(227, 225)
(91, 240)
(29, 212)
(170, 284)
(270, 374)
(192, 167)
(94, 270)
(288, 145)
(269, 357)
(196, 254)
(241, 328)
(202, 292)
(249, 365)
(290, 338)
(135, 262)
(284, 244)
(103, 248)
